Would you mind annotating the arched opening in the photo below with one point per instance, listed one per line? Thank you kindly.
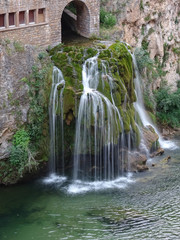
(75, 21)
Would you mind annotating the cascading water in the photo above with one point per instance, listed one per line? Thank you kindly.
(139, 106)
(103, 139)
(56, 120)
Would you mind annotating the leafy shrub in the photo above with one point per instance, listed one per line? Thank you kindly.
(107, 19)
(19, 151)
(21, 156)
(21, 138)
(168, 106)
(143, 60)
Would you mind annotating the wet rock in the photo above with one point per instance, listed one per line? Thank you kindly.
(137, 162)
(159, 152)
(166, 160)
(150, 138)
(142, 168)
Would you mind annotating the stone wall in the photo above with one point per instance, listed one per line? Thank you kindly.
(47, 32)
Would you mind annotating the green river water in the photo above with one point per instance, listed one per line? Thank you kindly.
(142, 206)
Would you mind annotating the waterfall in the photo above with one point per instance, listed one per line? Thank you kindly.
(56, 119)
(104, 139)
(139, 106)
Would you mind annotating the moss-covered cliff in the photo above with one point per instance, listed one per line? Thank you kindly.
(28, 151)
(116, 61)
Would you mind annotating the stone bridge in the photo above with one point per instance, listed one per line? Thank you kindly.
(39, 22)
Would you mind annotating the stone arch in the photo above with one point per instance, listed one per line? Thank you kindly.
(80, 21)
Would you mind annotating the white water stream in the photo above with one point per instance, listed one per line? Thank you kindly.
(97, 110)
(139, 106)
(56, 119)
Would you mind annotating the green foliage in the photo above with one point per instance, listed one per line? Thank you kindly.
(148, 101)
(107, 19)
(152, 69)
(178, 84)
(18, 46)
(72, 7)
(21, 138)
(145, 44)
(141, 6)
(143, 59)
(19, 150)
(42, 55)
(39, 98)
(142, 30)
(151, 30)
(168, 106)
(177, 51)
(147, 18)
(28, 142)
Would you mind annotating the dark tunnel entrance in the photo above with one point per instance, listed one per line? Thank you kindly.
(75, 22)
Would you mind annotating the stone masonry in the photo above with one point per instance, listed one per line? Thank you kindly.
(38, 22)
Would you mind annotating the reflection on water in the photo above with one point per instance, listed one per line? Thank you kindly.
(147, 208)
(72, 38)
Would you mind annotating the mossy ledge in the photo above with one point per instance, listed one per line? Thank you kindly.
(119, 67)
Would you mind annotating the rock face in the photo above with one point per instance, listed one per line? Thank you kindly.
(148, 143)
(155, 22)
(150, 138)
(15, 64)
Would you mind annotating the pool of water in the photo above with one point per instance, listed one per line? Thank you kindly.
(139, 206)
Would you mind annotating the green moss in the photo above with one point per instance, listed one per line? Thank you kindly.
(123, 64)
(79, 56)
(105, 54)
(91, 52)
(69, 100)
(68, 49)
(60, 60)
(100, 46)
(69, 136)
(104, 88)
(117, 98)
(126, 119)
(56, 49)
(153, 117)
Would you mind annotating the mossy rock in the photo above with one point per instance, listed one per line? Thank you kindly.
(68, 49)
(60, 60)
(117, 98)
(118, 62)
(126, 120)
(68, 100)
(91, 52)
(56, 49)
(104, 54)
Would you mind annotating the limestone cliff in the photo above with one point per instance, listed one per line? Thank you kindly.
(23, 105)
(155, 23)
(15, 63)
